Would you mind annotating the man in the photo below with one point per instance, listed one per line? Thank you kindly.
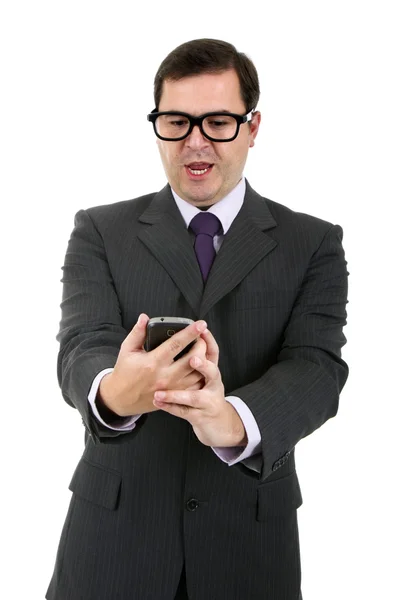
(196, 496)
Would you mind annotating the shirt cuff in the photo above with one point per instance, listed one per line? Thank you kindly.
(236, 454)
(130, 422)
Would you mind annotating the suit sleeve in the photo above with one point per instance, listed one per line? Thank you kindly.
(301, 390)
(91, 331)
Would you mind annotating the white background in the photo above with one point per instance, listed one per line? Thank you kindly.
(77, 80)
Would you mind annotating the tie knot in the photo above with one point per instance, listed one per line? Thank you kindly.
(205, 222)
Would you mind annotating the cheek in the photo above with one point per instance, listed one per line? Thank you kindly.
(233, 158)
(240, 153)
(167, 155)
(171, 155)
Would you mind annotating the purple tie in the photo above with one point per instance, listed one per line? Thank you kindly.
(205, 225)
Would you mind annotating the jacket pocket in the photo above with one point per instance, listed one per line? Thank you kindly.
(278, 497)
(96, 484)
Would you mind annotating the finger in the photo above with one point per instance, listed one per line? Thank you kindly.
(207, 368)
(183, 411)
(136, 337)
(212, 352)
(193, 378)
(178, 397)
(200, 345)
(183, 374)
(197, 386)
(199, 349)
(181, 368)
(167, 351)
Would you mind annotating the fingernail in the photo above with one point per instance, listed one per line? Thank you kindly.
(159, 395)
(139, 319)
(202, 326)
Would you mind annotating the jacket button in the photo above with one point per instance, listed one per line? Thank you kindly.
(192, 504)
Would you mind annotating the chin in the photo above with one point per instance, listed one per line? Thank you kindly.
(203, 193)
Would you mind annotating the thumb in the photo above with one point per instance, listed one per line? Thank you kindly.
(136, 337)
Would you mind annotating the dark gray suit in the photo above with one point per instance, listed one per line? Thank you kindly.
(146, 502)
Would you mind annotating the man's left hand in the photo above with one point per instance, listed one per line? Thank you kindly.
(214, 420)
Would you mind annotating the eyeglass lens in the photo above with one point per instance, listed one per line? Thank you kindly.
(219, 127)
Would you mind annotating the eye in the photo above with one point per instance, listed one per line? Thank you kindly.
(217, 123)
(220, 122)
(176, 121)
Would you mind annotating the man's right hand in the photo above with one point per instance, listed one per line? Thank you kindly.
(137, 374)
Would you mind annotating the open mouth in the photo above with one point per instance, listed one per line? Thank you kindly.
(198, 170)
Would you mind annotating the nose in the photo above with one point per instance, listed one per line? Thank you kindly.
(196, 139)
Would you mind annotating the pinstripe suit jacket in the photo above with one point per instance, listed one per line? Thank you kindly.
(146, 501)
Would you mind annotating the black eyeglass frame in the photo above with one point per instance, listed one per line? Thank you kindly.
(240, 119)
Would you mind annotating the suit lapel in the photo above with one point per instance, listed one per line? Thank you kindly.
(245, 244)
(169, 241)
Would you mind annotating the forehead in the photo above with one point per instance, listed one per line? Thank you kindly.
(203, 93)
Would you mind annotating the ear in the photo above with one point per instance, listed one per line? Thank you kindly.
(254, 126)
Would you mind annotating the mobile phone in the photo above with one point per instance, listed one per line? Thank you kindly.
(160, 329)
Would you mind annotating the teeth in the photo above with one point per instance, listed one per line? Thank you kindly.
(195, 172)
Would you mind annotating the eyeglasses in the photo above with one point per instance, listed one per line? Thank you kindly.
(215, 126)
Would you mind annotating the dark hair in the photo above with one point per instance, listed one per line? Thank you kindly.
(209, 56)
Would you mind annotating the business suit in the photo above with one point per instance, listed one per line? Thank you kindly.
(149, 501)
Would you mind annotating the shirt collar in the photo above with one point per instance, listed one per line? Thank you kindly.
(226, 209)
